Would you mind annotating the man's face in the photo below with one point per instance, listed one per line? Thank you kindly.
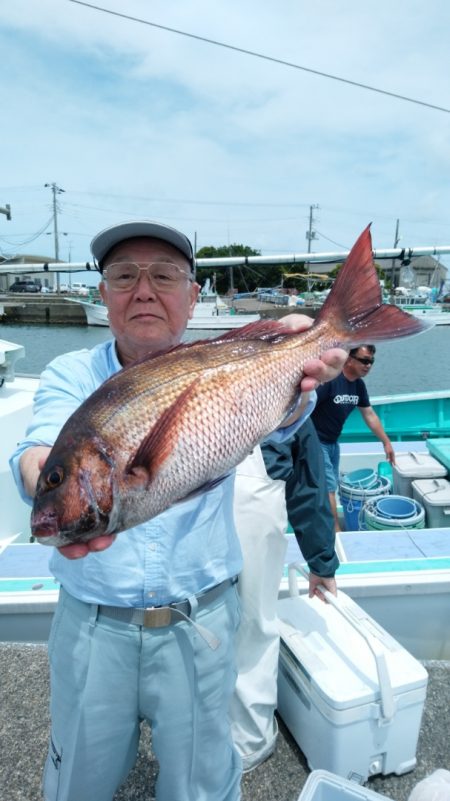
(361, 368)
(144, 319)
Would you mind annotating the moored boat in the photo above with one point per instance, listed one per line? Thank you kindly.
(421, 305)
(27, 587)
(407, 594)
(211, 314)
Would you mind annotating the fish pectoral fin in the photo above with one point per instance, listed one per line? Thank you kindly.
(159, 443)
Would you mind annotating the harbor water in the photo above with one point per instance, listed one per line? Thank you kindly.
(418, 363)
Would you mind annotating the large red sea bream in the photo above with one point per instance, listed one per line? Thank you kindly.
(170, 425)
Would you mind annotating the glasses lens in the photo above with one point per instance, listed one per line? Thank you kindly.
(364, 360)
(164, 276)
(121, 275)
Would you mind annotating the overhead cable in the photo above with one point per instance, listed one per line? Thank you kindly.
(262, 56)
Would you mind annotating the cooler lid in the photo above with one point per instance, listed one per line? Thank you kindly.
(433, 491)
(336, 659)
(418, 465)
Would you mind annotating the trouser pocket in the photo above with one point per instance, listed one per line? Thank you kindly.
(52, 771)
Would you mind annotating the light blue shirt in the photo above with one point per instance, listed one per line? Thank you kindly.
(184, 551)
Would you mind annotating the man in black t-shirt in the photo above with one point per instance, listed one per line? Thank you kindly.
(335, 401)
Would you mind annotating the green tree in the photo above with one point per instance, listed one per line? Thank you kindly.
(245, 278)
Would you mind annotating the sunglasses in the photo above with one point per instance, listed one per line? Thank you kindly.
(364, 360)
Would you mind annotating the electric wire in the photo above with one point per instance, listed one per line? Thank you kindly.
(255, 54)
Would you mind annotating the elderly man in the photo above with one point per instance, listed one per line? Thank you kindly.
(109, 670)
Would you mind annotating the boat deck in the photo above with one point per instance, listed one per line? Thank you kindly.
(24, 726)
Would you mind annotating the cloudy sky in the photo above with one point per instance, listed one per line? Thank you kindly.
(134, 121)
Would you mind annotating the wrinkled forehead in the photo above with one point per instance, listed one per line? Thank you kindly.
(145, 249)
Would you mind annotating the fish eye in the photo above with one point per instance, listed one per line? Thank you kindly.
(55, 477)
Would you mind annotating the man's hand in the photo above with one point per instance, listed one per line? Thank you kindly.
(315, 581)
(31, 463)
(77, 550)
(316, 371)
(389, 451)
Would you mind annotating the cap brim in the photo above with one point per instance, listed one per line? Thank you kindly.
(106, 239)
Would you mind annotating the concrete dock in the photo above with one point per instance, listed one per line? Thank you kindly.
(24, 727)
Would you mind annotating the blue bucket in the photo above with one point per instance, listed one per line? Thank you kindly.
(363, 479)
(396, 506)
(353, 499)
(381, 487)
(374, 519)
(352, 509)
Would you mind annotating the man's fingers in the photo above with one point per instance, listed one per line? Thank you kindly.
(78, 550)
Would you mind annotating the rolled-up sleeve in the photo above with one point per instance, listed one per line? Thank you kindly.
(64, 385)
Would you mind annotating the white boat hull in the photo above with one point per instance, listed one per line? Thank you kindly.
(409, 595)
(207, 316)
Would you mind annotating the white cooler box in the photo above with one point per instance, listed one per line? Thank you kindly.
(434, 495)
(324, 786)
(351, 695)
(410, 466)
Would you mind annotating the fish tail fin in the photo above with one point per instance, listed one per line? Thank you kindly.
(354, 307)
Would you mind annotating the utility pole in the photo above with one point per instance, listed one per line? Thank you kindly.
(396, 241)
(310, 234)
(56, 190)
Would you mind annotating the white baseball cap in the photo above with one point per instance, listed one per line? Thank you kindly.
(106, 239)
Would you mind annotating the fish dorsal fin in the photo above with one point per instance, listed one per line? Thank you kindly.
(261, 329)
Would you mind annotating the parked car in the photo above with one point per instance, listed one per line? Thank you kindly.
(24, 286)
(80, 289)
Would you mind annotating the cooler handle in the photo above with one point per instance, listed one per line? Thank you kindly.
(386, 693)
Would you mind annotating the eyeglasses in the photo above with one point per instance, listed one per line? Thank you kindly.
(165, 276)
(364, 360)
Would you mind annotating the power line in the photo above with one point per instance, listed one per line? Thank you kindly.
(262, 56)
(190, 200)
(30, 239)
(339, 245)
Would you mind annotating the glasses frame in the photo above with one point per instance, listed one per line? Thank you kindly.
(183, 275)
(368, 362)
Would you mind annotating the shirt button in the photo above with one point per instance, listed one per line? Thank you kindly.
(153, 546)
(151, 594)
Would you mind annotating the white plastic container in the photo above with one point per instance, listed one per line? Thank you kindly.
(434, 495)
(321, 785)
(351, 696)
(412, 466)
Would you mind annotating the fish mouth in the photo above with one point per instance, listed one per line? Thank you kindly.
(47, 531)
(49, 534)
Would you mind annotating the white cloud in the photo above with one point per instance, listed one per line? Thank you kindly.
(132, 120)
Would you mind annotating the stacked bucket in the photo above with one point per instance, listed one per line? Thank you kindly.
(393, 511)
(357, 488)
(368, 504)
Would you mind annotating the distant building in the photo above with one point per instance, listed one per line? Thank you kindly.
(42, 278)
(420, 271)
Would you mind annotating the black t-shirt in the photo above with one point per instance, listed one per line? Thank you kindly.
(335, 401)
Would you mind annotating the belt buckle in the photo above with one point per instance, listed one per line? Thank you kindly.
(157, 616)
